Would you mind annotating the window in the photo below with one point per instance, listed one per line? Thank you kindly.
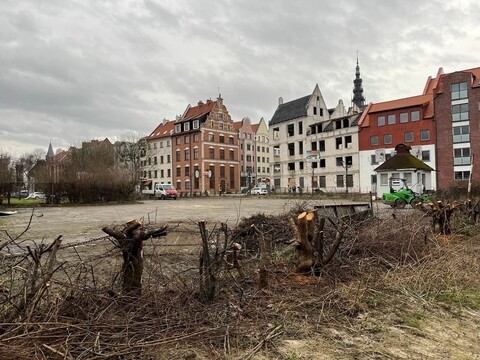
(383, 179)
(187, 170)
(322, 163)
(154, 160)
(300, 128)
(220, 125)
(178, 128)
(222, 154)
(290, 130)
(339, 180)
(211, 153)
(186, 139)
(162, 173)
(462, 175)
(426, 155)
(348, 141)
(186, 126)
(178, 140)
(349, 180)
(169, 172)
(460, 112)
(461, 134)
(387, 139)
(459, 91)
(231, 141)
(373, 179)
(161, 159)
(291, 149)
(391, 119)
(373, 140)
(403, 117)
(187, 154)
(348, 160)
(323, 182)
(195, 153)
(232, 154)
(221, 139)
(415, 115)
(168, 143)
(179, 171)
(338, 143)
(211, 137)
(314, 110)
(408, 136)
(168, 159)
(249, 147)
(291, 166)
(196, 124)
(276, 133)
(373, 159)
(321, 145)
(425, 135)
(339, 161)
(461, 156)
(381, 120)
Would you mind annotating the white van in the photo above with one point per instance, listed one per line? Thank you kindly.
(165, 191)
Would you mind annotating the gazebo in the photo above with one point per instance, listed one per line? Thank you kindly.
(403, 166)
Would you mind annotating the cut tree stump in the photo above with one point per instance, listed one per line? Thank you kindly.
(130, 241)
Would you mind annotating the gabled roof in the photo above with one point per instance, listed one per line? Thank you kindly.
(420, 100)
(291, 110)
(165, 129)
(254, 127)
(197, 112)
(475, 72)
(403, 160)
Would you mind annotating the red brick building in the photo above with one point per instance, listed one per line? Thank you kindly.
(457, 117)
(205, 150)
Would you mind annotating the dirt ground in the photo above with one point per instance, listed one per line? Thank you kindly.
(375, 317)
(77, 223)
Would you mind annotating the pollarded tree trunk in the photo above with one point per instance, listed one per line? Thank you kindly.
(130, 240)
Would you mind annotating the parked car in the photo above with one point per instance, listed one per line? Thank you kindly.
(259, 191)
(165, 191)
(36, 195)
(21, 194)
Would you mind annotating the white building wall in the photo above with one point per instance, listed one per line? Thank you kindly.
(367, 170)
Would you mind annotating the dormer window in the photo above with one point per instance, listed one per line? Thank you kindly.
(178, 128)
(186, 126)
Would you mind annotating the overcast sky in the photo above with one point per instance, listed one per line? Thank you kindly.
(76, 70)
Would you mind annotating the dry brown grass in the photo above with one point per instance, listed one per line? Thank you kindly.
(390, 275)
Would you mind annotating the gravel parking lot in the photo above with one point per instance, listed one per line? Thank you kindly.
(77, 223)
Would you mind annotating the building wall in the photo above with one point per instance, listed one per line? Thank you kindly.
(397, 133)
(290, 172)
(214, 138)
(326, 164)
(370, 180)
(263, 151)
(450, 174)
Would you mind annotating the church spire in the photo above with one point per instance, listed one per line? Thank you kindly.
(358, 98)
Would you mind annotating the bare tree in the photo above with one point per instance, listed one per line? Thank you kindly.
(128, 153)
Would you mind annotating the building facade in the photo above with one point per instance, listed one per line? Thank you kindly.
(262, 140)
(248, 153)
(157, 159)
(332, 152)
(387, 124)
(456, 99)
(205, 150)
(288, 130)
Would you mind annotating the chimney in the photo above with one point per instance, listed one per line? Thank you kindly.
(165, 121)
(200, 102)
(280, 101)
